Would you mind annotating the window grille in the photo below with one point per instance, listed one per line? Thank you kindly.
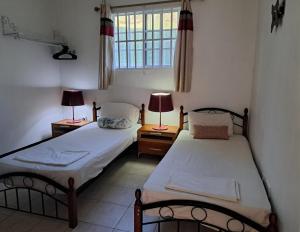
(145, 38)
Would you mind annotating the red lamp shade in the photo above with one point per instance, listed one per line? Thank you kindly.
(72, 98)
(160, 102)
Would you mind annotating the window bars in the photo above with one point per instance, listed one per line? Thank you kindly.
(145, 38)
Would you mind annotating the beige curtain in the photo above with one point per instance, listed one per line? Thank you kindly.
(106, 47)
(183, 60)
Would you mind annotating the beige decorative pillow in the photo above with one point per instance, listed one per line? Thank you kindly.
(210, 119)
(211, 132)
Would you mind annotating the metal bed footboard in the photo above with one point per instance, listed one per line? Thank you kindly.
(35, 194)
(234, 218)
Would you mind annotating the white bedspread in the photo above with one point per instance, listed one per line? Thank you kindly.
(214, 187)
(231, 159)
(103, 146)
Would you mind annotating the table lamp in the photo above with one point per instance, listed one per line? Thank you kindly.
(72, 98)
(160, 102)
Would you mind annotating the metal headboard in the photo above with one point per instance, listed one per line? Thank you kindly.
(141, 119)
(240, 121)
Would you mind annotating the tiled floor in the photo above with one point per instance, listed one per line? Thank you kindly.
(106, 205)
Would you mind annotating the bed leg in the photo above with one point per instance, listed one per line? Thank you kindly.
(273, 226)
(142, 115)
(181, 118)
(72, 204)
(138, 214)
(94, 112)
(245, 123)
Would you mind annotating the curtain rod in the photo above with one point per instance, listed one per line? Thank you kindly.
(139, 4)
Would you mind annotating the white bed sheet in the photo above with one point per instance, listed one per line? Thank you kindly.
(102, 144)
(211, 158)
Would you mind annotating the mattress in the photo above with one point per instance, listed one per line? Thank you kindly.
(211, 158)
(103, 146)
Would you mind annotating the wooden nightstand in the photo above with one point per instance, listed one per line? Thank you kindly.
(155, 142)
(62, 127)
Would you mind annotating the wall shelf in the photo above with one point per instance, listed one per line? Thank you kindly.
(10, 29)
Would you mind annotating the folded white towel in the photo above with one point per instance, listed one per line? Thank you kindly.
(48, 156)
(220, 188)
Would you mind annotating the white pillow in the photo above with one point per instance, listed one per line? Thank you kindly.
(120, 110)
(210, 119)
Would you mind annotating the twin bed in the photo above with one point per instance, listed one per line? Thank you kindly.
(209, 163)
(60, 183)
(188, 159)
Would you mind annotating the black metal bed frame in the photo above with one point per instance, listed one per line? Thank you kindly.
(234, 116)
(230, 216)
(201, 223)
(46, 188)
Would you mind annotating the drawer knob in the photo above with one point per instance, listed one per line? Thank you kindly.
(155, 149)
(155, 133)
(62, 126)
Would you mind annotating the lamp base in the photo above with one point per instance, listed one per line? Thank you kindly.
(160, 128)
(73, 121)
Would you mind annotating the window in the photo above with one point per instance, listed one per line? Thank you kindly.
(145, 39)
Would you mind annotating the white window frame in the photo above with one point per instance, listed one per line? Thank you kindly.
(144, 39)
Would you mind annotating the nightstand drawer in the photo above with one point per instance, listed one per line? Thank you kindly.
(154, 142)
(155, 148)
(63, 127)
(60, 131)
(156, 136)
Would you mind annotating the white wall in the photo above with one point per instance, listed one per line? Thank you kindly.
(80, 25)
(275, 111)
(30, 90)
(224, 51)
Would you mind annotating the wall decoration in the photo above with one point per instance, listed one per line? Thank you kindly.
(278, 11)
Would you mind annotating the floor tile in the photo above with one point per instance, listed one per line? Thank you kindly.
(19, 222)
(111, 193)
(100, 213)
(137, 168)
(130, 181)
(86, 227)
(50, 225)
